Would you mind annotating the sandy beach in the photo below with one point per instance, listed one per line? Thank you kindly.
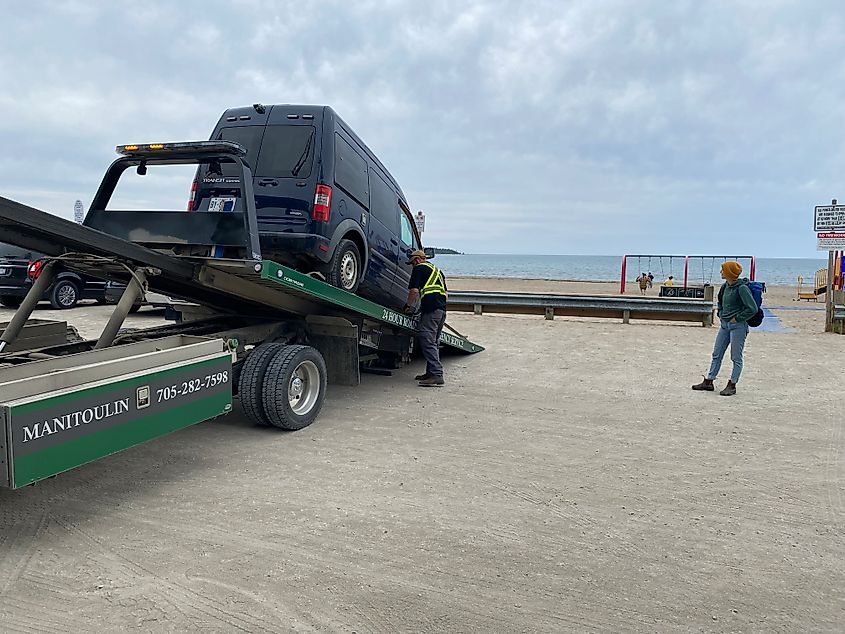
(565, 479)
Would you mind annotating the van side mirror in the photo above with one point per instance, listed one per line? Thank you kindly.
(429, 253)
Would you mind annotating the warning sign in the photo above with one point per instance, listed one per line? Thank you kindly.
(829, 218)
(831, 241)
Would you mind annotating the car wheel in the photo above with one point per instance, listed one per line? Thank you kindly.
(11, 301)
(294, 387)
(346, 268)
(64, 295)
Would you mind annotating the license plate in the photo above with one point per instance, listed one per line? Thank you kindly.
(222, 204)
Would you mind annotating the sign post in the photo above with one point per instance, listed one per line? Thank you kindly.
(829, 225)
(419, 219)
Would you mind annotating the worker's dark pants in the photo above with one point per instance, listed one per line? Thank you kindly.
(431, 325)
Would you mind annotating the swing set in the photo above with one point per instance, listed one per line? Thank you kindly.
(690, 267)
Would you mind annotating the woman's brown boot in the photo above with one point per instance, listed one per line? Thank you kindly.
(730, 389)
(706, 385)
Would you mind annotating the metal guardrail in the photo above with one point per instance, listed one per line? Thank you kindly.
(624, 308)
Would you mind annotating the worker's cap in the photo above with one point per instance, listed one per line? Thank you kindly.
(419, 253)
(731, 269)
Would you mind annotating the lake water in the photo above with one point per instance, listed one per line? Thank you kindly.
(601, 268)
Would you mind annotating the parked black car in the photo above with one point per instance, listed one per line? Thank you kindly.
(324, 202)
(19, 267)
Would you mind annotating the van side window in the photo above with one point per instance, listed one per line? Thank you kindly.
(286, 152)
(407, 232)
(383, 203)
(350, 170)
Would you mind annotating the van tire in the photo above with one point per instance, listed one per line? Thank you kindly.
(11, 301)
(294, 387)
(251, 382)
(65, 294)
(346, 267)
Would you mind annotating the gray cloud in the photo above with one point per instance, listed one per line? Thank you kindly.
(551, 127)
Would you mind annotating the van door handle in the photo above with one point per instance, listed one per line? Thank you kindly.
(268, 181)
(394, 242)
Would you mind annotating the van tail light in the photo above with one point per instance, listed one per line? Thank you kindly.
(33, 270)
(322, 203)
(193, 195)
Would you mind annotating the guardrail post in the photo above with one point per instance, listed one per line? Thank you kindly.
(626, 316)
(550, 312)
(707, 321)
(477, 309)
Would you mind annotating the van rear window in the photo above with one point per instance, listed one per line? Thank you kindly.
(249, 136)
(287, 152)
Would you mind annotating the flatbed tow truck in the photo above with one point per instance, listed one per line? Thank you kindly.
(269, 334)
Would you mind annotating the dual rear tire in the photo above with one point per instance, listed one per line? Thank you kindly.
(282, 386)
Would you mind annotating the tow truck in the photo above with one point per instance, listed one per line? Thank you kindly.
(272, 336)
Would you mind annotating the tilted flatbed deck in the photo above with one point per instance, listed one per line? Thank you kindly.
(272, 335)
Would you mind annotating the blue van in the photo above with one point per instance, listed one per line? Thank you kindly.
(324, 201)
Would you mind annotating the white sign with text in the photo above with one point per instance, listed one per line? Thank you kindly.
(829, 218)
(831, 241)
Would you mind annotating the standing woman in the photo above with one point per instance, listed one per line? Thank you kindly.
(736, 307)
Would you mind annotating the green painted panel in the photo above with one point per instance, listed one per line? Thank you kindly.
(461, 343)
(65, 456)
(337, 296)
(103, 389)
(310, 287)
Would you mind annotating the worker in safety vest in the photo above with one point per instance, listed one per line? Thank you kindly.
(428, 284)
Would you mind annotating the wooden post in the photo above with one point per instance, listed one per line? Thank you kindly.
(838, 325)
(828, 300)
(477, 309)
(626, 316)
(550, 312)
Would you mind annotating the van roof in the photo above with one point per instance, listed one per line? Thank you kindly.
(316, 111)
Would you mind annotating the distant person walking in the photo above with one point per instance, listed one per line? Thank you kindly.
(736, 306)
(642, 280)
(669, 281)
(428, 283)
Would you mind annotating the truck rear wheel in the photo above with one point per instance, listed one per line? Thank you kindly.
(251, 382)
(294, 387)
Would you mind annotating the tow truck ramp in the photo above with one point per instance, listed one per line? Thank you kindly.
(272, 335)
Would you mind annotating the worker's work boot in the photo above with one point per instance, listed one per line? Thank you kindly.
(422, 377)
(730, 389)
(706, 385)
(432, 381)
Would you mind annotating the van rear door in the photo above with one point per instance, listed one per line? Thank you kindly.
(285, 177)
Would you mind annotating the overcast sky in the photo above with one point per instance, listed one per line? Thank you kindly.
(585, 127)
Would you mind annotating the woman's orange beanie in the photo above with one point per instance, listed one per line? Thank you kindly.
(732, 269)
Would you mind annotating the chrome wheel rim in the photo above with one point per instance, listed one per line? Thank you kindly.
(304, 388)
(348, 270)
(67, 295)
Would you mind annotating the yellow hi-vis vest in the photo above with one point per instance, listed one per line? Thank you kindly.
(435, 283)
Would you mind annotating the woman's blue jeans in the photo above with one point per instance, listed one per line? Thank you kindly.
(733, 334)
